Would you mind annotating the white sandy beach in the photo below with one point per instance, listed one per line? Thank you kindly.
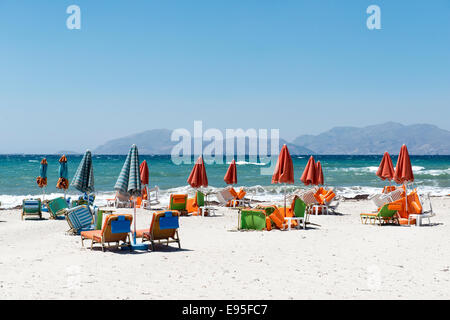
(335, 258)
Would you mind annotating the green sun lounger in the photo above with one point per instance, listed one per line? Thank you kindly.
(56, 207)
(31, 207)
(253, 220)
(384, 215)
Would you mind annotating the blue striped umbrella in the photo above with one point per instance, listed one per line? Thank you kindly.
(84, 176)
(129, 181)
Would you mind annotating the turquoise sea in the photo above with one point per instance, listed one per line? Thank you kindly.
(350, 175)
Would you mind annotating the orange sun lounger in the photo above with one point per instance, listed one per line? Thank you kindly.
(160, 229)
(108, 233)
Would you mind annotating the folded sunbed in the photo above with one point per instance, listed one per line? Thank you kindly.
(163, 227)
(31, 207)
(254, 220)
(79, 219)
(56, 207)
(116, 229)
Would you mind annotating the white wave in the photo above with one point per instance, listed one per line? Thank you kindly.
(435, 172)
(271, 193)
(33, 160)
(241, 163)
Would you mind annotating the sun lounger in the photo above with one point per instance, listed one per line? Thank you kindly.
(384, 215)
(31, 207)
(56, 207)
(121, 200)
(79, 219)
(152, 197)
(116, 229)
(254, 220)
(299, 213)
(163, 226)
(224, 197)
(178, 202)
(197, 205)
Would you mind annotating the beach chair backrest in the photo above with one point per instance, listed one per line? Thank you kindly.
(115, 227)
(299, 208)
(200, 199)
(253, 220)
(164, 224)
(31, 205)
(308, 197)
(178, 201)
(241, 194)
(225, 196)
(56, 205)
(233, 192)
(79, 217)
(385, 212)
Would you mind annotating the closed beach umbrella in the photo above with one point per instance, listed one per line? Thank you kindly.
(284, 170)
(84, 176)
(309, 174)
(198, 177)
(403, 171)
(386, 168)
(319, 173)
(231, 175)
(129, 182)
(42, 179)
(143, 169)
(63, 182)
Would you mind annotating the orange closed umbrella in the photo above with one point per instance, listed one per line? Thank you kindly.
(386, 168)
(403, 171)
(319, 173)
(284, 170)
(143, 169)
(231, 175)
(309, 174)
(198, 177)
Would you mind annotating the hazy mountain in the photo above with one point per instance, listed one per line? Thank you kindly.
(158, 142)
(376, 139)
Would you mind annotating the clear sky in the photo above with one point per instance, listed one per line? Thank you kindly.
(300, 66)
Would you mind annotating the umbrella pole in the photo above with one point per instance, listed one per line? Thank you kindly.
(285, 199)
(134, 220)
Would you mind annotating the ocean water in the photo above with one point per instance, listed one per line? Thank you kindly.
(350, 175)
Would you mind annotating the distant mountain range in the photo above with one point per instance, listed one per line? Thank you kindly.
(421, 139)
(158, 142)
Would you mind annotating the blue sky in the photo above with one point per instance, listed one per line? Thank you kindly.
(300, 66)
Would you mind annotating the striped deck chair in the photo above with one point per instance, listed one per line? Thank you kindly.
(31, 207)
(79, 219)
(56, 207)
